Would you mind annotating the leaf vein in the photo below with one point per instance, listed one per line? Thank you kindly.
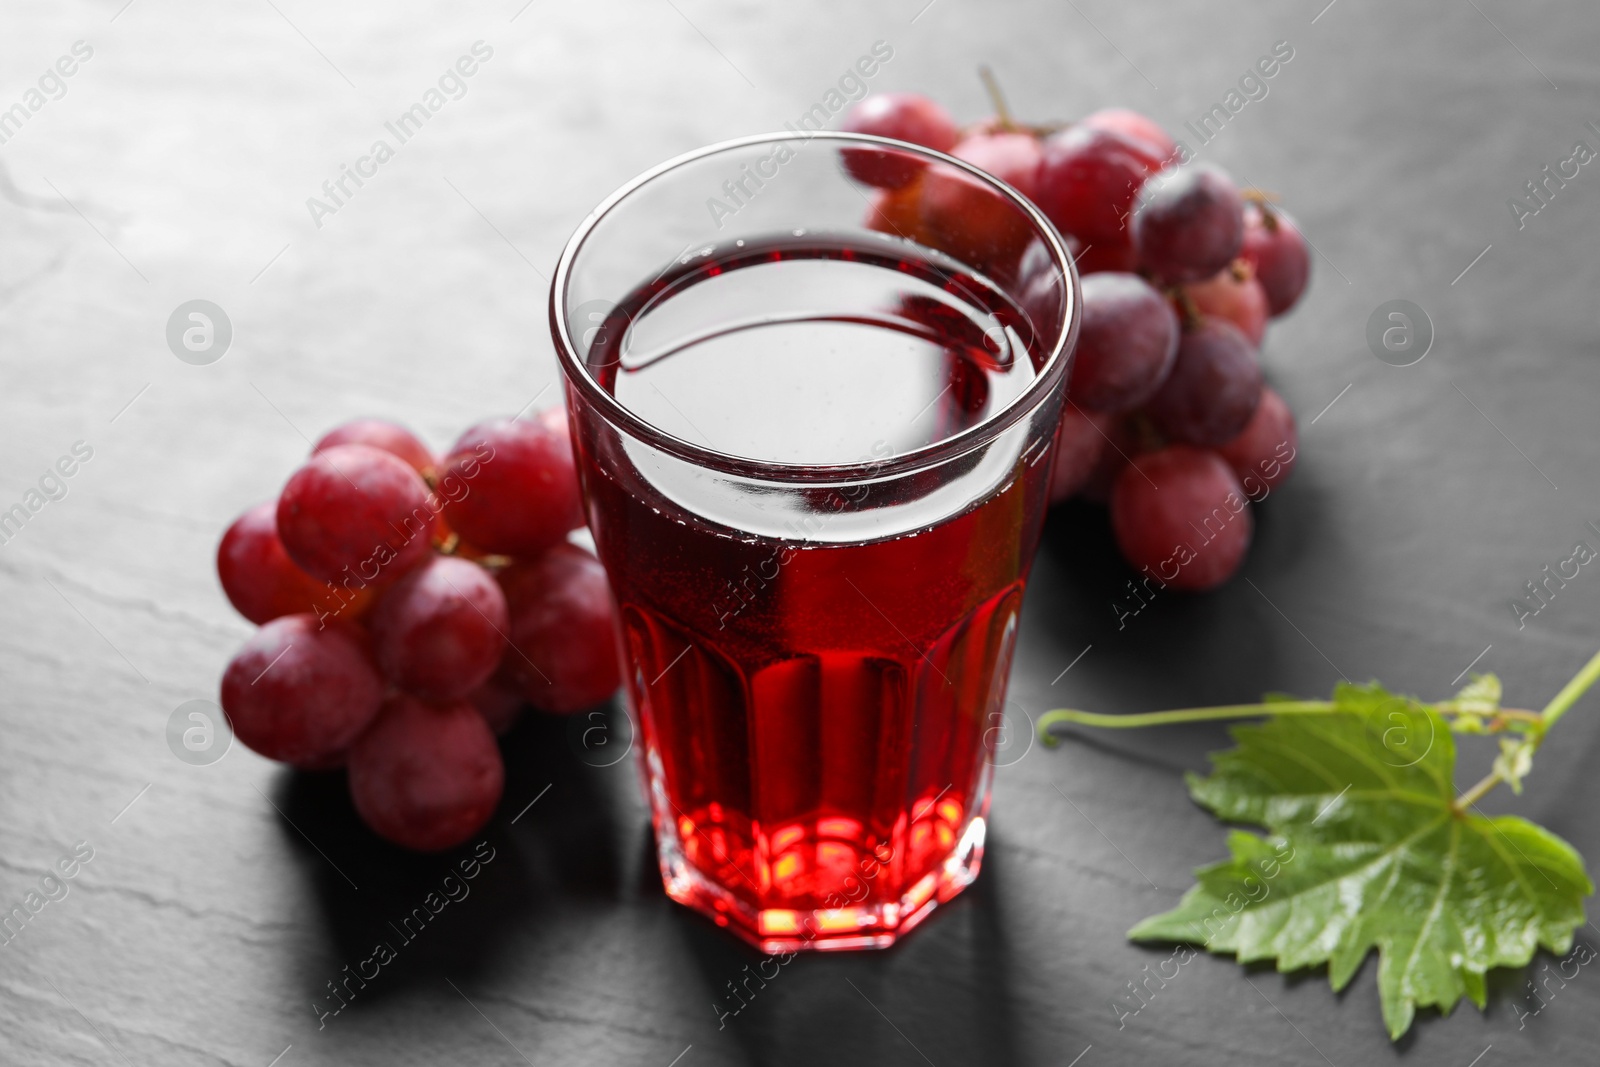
(1448, 870)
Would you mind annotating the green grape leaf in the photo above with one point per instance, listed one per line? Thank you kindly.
(1364, 851)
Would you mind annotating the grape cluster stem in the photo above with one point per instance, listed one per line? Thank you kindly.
(1002, 112)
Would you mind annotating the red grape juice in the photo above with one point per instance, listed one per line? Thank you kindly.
(818, 668)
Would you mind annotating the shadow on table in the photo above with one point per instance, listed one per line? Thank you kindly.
(944, 992)
(1171, 649)
(419, 918)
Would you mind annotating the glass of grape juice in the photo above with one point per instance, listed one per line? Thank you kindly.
(814, 422)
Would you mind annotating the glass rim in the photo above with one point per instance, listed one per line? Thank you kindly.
(620, 417)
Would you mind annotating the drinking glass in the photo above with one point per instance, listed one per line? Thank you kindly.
(815, 422)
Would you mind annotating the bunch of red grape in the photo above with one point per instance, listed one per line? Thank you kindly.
(1168, 418)
(408, 607)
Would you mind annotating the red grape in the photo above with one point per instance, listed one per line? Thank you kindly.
(972, 221)
(1190, 224)
(1088, 179)
(300, 691)
(1080, 439)
(555, 420)
(383, 435)
(257, 574)
(1264, 454)
(1126, 343)
(898, 212)
(1099, 258)
(499, 704)
(1213, 389)
(510, 486)
(1037, 262)
(1181, 516)
(1233, 294)
(1274, 245)
(563, 654)
(359, 509)
(1041, 291)
(1135, 127)
(439, 631)
(1011, 156)
(905, 117)
(1124, 440)
(426, 777)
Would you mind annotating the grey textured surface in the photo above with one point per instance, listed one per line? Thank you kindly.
(206, 925)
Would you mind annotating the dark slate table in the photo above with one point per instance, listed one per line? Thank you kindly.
(220, 901)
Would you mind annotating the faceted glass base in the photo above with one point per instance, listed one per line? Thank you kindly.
(779, 930)
(822, 801)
